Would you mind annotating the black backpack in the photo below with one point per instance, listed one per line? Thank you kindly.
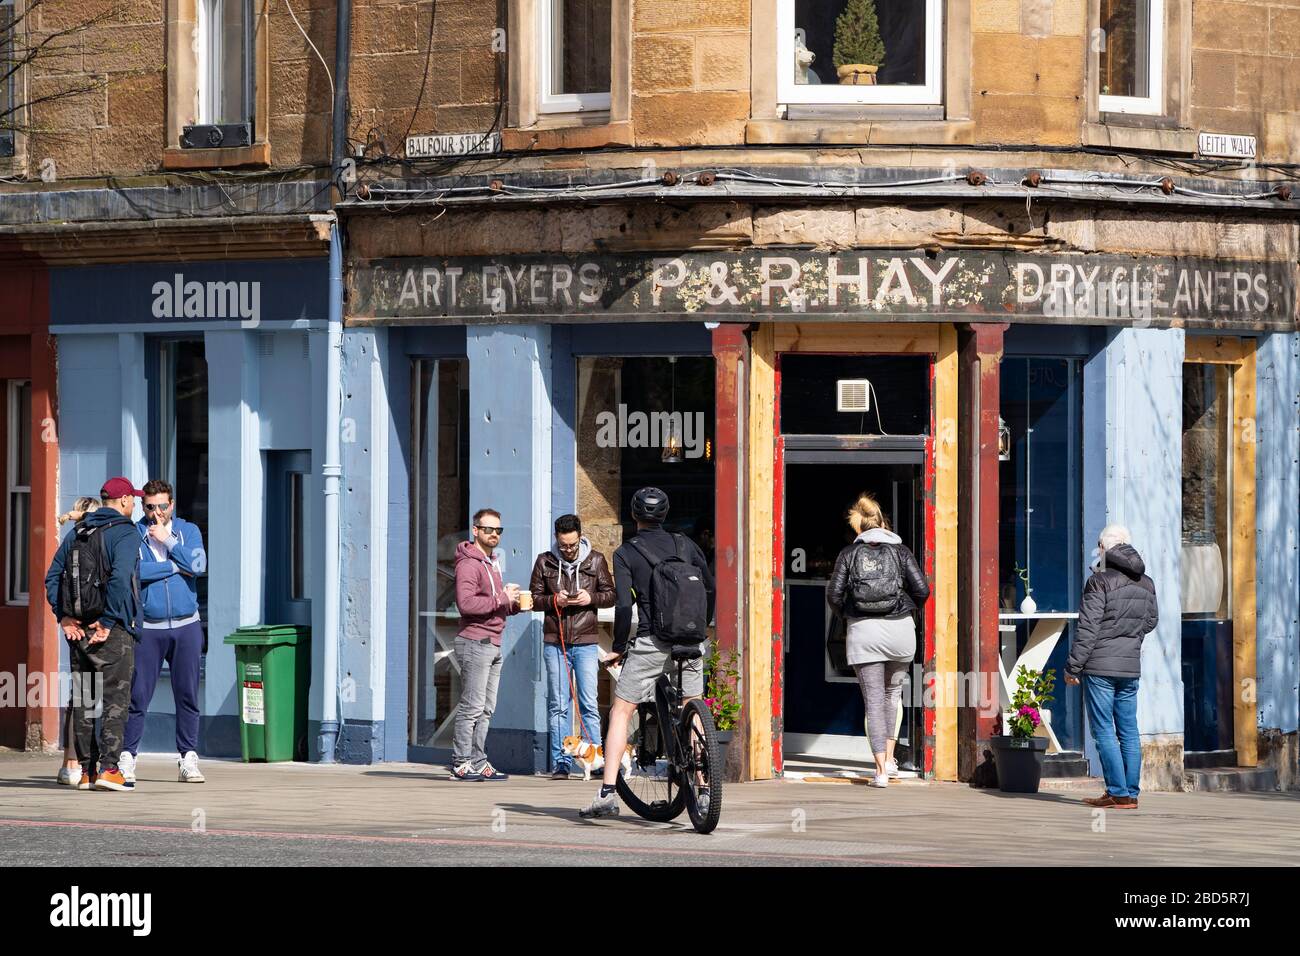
(83, 585)
(875, 581)
(679, 603)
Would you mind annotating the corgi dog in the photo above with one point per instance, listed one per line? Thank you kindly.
(592, 756)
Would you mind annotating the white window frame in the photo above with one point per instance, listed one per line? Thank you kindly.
(15, 575)
(8, 85)
(790, 93)
(547, 100)
(1152, 104)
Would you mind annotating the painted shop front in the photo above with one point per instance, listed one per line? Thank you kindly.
(28, 462)
(205, 374)
(1002, 405)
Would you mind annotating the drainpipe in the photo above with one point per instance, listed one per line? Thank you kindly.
(331, 469)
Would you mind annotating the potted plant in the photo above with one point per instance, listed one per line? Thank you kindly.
(1019, 755)
(859, 52)
(721, 697)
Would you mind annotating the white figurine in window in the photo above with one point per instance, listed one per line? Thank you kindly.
(803, 58)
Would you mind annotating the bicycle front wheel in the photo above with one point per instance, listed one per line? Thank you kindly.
(653, 790)
(703, 770)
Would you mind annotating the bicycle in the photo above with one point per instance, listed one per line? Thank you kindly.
(675, 771)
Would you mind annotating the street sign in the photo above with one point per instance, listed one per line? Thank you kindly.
(1227, 145)
(452, 144)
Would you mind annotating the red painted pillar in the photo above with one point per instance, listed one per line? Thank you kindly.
(42, 635)
(979, 397)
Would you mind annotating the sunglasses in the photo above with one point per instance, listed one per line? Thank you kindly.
(156, 507)
(490, 529)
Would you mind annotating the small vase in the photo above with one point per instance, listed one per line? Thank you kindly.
(857, 74)
(1028, 605)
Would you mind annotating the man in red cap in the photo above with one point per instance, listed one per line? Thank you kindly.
(93, 588)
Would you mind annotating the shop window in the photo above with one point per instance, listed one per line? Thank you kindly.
(180, 451)
(18, 474)
(1130, 57)
(1040, 543)
(859, 52)
(897, 396)
(439, 522)
(8, 78)
(573, 55)
(1040, 546)
(645, 422)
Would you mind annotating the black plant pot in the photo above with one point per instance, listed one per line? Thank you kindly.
(724, 744)
(1020, 762)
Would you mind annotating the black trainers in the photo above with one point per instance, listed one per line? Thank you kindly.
(489, 772)
(462, 771)
(560, 773)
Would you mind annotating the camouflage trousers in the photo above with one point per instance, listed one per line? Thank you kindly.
(101, 675)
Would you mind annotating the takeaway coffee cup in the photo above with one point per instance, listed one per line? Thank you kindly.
(525, 600)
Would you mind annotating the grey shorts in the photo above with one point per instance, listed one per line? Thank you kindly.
(646, 660)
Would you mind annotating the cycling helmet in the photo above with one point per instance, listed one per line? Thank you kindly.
(650, 504)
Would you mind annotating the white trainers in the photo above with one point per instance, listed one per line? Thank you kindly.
(880, 779)
(891, 767)
(188, 768)
(126, 764)
(69, 776)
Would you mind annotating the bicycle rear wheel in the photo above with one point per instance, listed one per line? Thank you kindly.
(703, 770)
(653, 790)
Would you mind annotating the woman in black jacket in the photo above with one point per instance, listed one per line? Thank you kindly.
(876, 587)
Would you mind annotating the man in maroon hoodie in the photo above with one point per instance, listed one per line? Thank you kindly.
(484, 601)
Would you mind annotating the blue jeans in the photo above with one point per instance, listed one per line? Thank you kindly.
(585, 661)
(1112, 715)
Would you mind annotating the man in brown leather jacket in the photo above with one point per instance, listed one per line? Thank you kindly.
(569, 583)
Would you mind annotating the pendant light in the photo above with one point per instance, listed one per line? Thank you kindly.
(673, 440)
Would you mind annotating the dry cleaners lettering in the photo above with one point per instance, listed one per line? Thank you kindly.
(179, 299)
(73, 909)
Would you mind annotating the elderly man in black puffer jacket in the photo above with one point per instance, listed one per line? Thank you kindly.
(1117, 610)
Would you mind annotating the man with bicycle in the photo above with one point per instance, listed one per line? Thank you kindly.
(647, 656)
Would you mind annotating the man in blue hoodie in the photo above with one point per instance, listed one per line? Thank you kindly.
(171, 560)
(103, 650)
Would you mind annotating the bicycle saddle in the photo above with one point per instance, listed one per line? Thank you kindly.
(686, 653)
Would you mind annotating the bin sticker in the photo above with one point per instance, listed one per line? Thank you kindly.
(254, 709)
(253, 671)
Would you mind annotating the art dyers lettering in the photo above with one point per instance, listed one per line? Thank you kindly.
(775, 283)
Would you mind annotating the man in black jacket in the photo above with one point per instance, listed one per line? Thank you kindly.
(645, 656)
(1117, 610)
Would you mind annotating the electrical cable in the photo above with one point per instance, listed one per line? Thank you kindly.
(424, 77)
(328, 75)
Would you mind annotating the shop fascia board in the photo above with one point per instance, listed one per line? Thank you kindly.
(860, 184)
(162, 240)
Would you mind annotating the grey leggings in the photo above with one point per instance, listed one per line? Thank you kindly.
(882, 689)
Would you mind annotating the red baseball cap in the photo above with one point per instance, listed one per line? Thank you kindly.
(118, 488)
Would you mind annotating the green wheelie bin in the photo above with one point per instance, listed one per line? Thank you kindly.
(273, 674)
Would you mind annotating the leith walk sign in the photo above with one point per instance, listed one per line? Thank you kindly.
(775, 284)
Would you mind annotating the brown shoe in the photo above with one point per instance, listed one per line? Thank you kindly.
(1105, 800)
(1126, 803)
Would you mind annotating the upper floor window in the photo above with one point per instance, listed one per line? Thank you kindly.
(574, 52)
(1131, 57)
(860, 52)
(8, 78)
(223, 43)
(18, 472)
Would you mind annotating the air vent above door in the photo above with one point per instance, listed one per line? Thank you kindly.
(853, 395)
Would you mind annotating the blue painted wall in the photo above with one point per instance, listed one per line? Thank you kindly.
(1277, 502)
(260, 388)
(1133, 475)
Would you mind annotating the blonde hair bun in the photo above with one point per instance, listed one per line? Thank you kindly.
(865, 514)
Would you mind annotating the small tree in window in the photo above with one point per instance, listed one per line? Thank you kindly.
(859, 50)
